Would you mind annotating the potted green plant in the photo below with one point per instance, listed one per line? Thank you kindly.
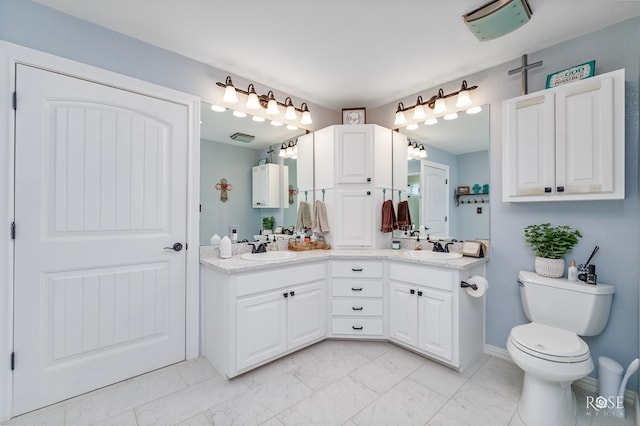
(550, 244)
(268, 223)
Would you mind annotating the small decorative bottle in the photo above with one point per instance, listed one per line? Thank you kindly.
(225, 247)
(572, 273)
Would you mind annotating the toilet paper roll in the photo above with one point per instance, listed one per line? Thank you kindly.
(480, 282)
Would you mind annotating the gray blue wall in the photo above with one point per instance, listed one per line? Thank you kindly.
(234, 163)
(473, 168)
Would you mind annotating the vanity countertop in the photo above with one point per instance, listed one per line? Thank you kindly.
(237, 264)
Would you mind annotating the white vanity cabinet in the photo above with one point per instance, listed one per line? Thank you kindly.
(357, 299)
(252, 318)
(268, 184)
(566, 143)
(431, 314)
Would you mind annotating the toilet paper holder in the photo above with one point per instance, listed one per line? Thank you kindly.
(464, 284)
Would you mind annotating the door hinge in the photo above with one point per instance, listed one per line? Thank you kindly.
(15, 100)
(13, 230)
(13, 361)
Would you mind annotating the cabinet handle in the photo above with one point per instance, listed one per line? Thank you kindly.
(560, 189)
(368, 179)
(285, 295)
(292, 293)
(356, 269)
(357, 327)
(412, 291)
(356, 288)
(368, 192)
(419, 293)
(547, 189)
(356, 308)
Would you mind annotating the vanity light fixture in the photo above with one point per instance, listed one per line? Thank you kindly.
(437, 104)
(230, 95)
(269, 102)
(415, 151)
(289, 150)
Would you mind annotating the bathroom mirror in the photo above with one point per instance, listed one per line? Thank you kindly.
(222, 157)
(462, 146)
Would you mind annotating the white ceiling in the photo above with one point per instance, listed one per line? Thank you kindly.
(337, 53)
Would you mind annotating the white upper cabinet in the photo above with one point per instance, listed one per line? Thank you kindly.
(304, 169)
(269, 181)
(566, 143)
(354, 146)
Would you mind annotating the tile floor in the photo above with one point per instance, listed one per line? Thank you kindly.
(330, 383)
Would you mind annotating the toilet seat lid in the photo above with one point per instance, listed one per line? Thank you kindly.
(551, 343)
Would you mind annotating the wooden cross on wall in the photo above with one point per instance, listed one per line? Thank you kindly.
(523, 71)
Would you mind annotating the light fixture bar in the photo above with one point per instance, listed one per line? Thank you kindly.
(264, 99)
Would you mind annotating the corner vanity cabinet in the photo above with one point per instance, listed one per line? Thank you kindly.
(255, 317)
(431, 314)
(566, 143)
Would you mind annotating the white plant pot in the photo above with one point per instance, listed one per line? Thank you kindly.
(552, 268)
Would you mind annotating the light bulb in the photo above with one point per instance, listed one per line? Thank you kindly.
(289, 150)
(410, 149)
(272, 107)
(431, 121)
(400, 119)
(230, 95)
(423, 152)
(464, 99)
(451, 116)
(419, 113)
(440, 106)
(252, 101)
(283, 151)
(306, 117)
(474, 110)
(218, 108)
(290, 113)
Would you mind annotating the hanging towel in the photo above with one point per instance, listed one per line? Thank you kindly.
(404, 215)
(304, 216)
(320, 222)
(389, 222)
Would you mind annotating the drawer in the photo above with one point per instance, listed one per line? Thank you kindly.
(423, 275)
(357, 268)
(281, 277)
(357, 307)
(356, 288)
(358, 326)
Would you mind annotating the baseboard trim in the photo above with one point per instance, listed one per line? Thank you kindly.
(588, 384)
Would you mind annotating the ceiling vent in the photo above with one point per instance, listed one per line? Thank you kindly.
(497, 18)
(242, 137)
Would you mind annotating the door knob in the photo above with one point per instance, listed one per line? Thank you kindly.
(175, 247)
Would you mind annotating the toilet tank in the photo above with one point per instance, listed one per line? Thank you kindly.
(574, 306)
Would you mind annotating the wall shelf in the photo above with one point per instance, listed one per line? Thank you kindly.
(472, 198)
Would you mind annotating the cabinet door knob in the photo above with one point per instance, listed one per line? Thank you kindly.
(419, 293)
(547, 189)
(412, 291)
(368, 179)
(292, 293)
(357, 308)
(368, 192)
(560, 189)
(357, 327)
(285, 294)
(356, 288)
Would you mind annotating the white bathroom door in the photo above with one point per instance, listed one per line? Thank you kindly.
(100, 191)
(435, 199)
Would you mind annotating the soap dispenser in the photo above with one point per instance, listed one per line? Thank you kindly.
(225, 247)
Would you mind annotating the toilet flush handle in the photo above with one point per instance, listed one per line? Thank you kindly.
(520, 283)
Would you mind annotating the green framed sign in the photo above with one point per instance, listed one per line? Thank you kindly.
(578, 72)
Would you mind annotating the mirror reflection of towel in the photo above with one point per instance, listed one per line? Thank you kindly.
(404, 215)
(389, 222)
(304, 216)
(320, 222)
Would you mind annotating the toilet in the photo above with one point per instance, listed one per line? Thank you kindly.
(549, 348)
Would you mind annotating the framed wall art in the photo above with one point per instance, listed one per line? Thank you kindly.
(354, 116)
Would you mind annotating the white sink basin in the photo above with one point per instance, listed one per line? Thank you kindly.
(269, 256)
(432, 255)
